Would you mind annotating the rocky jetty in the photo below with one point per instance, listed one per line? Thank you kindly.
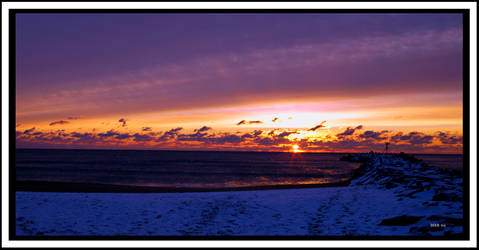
(440, 192)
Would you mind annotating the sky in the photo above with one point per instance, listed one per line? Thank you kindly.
(250, 82)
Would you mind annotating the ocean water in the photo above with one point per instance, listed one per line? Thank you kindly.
(191, 168)
(180, 168)
(448, 161)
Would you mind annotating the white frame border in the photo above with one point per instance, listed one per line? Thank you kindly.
(472, 6)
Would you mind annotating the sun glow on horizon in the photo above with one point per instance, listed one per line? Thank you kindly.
(295, 149)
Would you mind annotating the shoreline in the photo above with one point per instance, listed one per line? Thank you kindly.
(67, 187)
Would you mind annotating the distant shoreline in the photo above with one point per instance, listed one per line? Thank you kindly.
(67, 187)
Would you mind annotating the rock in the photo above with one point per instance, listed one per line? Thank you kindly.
(446, 197)
(420, 231)
(414, 181)
(403, 220)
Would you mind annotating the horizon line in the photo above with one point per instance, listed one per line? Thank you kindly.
(231, 151)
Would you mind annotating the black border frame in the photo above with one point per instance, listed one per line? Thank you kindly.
(12, 121)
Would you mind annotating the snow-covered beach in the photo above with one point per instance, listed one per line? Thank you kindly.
(389, 196)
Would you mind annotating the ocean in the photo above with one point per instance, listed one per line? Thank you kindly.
(192, 169)
(447, 161)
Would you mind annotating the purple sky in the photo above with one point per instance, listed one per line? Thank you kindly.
(59, 50)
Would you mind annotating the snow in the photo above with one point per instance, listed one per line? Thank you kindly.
(389, 187)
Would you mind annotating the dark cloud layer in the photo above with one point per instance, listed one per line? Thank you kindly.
(171, 134)
(143, 137)
(446, 138)
(413, 138)
(374, 135)
(275, 139)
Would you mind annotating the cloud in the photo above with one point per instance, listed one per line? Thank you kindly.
(421, 139)
(61, 132)
(85, 138)
(275, 139)
(275, 119)
(244, 122)
(170, 134)
(59, 122)
(199, 133)
(117, 135)
(399, 137)
(255, 122)
(285, 134)
(412, 138)
(143, 137)
(257, 132)
(445, 138)
(144, 129)
(110, 133)
(265, 141)
(99, 138)
(349, 131)
(253, 134)
(28, 131)
(317, 126)
(241, 122)
(202, 129)
(73, 117)
(214, 139)
(374, 135)
(191, 137)
(123, 136)
(123, 121)
(247, 135)
(227, 138)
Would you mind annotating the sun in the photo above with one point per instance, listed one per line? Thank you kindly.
(296, 149)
